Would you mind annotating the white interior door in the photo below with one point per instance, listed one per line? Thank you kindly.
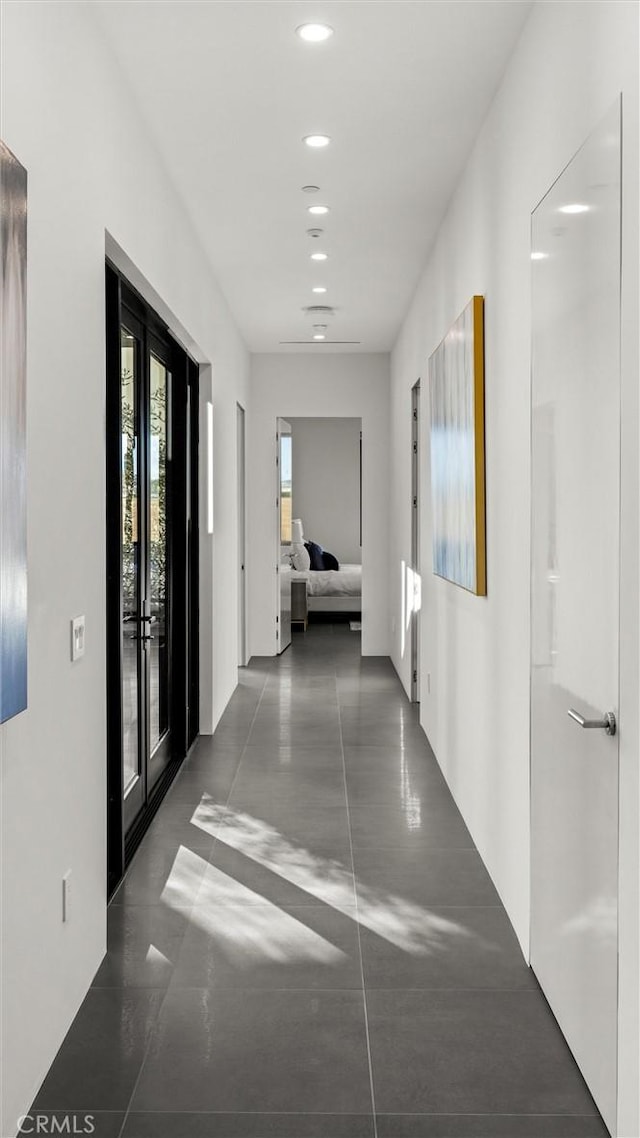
(575, 603)
(414, 579)
(284, 508)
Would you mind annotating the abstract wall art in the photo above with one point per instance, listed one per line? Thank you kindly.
(456, 389)
(13, 488)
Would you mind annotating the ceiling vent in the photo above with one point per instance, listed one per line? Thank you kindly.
(319, 311)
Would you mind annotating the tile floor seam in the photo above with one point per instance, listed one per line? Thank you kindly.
(477, 1114)
(144, 1059)
(311, 991)
(306, 1113)
(355, 890)
(237, 770)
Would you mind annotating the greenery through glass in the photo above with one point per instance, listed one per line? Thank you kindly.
(158, 487)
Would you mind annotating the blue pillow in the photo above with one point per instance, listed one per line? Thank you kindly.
(315, 555)
(329, 561)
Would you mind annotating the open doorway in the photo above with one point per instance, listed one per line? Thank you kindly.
(326, 507)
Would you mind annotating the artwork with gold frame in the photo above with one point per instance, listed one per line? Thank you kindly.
(13, 470)
(456, 390)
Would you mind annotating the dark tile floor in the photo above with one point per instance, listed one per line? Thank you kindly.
(308, 945)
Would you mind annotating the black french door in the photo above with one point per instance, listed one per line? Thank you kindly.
(152, 657)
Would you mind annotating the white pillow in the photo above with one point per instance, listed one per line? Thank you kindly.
(300, 559)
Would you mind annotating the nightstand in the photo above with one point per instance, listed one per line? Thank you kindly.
(299, 613)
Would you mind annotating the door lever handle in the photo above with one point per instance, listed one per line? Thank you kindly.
(607, 723)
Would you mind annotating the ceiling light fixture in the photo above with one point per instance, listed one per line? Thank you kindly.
(318, 209)
(574, 207)
(316, 141)
(310, 189)
(314, 33)
(319, 288)
(318, 256)
(319, 336)
(539, 256)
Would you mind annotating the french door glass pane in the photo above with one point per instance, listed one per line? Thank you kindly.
(130, 558)
(158, 569)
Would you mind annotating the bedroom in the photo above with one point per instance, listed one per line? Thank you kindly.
(321, 521)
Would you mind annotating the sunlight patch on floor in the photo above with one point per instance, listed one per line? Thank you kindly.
(184, 879)
(154, 956)
(401, 922)
(246, 926)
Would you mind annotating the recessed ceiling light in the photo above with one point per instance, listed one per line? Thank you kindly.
(310, 189)
(318, 209)
(319, 288)
(314, 33)
(574, 207)
(539, 256)
(318, 256)
(316, 141)
(319, 336)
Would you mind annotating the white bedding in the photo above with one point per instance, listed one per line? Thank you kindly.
(343, 582)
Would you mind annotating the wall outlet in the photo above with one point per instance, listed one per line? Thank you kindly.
(66, 896)
(77, 637)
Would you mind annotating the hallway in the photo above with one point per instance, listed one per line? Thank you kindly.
(307, 940)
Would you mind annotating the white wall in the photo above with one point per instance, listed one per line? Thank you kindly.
(67, 115)
(304, 385)
(326, 483)
(570, 64)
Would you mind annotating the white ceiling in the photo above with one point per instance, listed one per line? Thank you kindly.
(229, 90)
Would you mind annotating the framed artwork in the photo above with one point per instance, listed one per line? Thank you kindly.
(456, 391)
(13, 485)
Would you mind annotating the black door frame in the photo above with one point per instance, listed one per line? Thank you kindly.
(183, 586)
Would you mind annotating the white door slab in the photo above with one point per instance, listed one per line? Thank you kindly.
(575, 603)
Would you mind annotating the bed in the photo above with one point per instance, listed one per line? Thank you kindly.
(332, 590)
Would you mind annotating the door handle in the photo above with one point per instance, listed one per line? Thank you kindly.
(607, 723)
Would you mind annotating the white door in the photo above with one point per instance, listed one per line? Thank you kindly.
(284, 507)
(242, 576)
(414, 579)
(575, 603)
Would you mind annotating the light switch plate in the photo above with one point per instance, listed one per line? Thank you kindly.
(77, 637)
(66, 896)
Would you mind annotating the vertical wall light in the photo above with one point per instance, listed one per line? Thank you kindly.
(209, 467)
